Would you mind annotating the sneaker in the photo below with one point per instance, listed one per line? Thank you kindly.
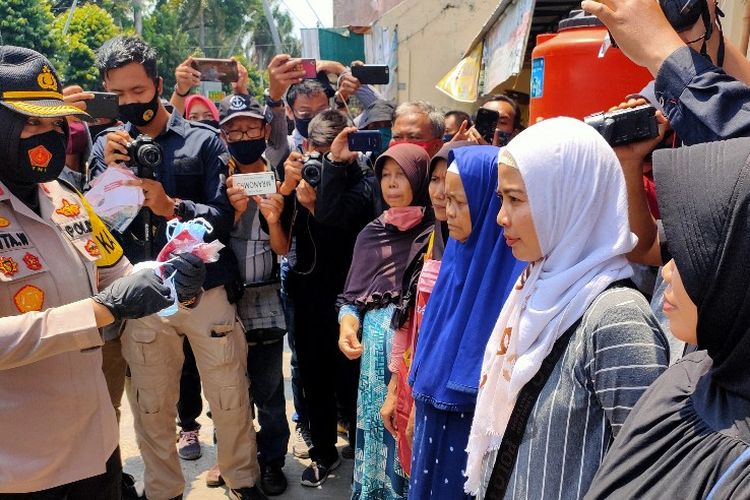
(302, 442)
(189, 447)
(348, 452)
(272, 480)
(317, 473)
(252, 493)
(213, 478)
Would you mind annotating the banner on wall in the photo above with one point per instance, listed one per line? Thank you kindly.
(505, 44)
(462, 82)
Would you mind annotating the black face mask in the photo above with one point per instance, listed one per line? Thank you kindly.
(301, 125)
(41, 158)
(247, 152)
(140, 114)
(213, 123)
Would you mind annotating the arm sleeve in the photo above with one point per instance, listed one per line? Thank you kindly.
(278, 149)
(96, 165)
(350, 310)
(217, 210)
(401, 342)
(366, 95)
(33, 336)
(702, 102)
(628, 351)
(343, 196)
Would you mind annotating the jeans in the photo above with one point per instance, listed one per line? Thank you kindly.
(298, 394)
(264, 363)
(190, 405)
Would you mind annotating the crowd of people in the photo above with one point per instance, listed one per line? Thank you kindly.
(536, 316)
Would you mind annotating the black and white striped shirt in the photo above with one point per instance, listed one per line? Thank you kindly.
(615, 354)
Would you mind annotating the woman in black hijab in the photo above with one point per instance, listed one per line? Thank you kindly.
(689, 435)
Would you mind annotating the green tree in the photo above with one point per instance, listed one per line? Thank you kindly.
(90, 27)
(165, 31)
(261, 40)
(26, 23)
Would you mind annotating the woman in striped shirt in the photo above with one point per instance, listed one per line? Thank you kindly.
(564, 210)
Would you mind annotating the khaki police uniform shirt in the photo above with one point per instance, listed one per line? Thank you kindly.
(57, 424)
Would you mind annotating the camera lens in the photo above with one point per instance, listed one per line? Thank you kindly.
(311, 172)
(149, 154)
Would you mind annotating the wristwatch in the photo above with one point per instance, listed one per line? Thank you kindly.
(270, 102)
(178, 92)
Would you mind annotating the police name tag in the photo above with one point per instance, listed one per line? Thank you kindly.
(256, 184)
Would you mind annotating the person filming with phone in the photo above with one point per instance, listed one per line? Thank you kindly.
(188, 183)
(328, 199)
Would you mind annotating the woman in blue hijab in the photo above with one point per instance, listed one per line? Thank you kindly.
(477, 273)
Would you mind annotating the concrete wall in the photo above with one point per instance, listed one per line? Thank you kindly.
(732, 23)
(432, 38)
(360, 12)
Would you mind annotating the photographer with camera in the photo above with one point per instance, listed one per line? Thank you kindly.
(188, 183)
(701, 79)
(328, 200)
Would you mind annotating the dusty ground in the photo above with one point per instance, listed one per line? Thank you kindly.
(336, 487)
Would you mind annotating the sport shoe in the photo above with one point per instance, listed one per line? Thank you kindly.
(272, 480)
(213, 478)
(189, 447)
(302, 442)
(252, 493)
(317, 473)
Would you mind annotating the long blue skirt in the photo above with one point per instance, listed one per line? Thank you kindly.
(439, 453)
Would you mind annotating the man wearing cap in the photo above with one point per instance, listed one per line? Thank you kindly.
(54, 255)
(245, 129)
(188, 184)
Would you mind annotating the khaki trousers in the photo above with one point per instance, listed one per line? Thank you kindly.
(152, 347)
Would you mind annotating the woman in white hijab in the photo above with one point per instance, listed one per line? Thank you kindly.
(574, 324)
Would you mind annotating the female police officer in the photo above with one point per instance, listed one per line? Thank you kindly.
(59, 433)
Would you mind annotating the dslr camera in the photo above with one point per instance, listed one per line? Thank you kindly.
(624, 126)
(312, 170)
(145, 156)
(682, 14)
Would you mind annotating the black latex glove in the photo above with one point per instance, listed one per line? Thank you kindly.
(135, 296)
(191, 273)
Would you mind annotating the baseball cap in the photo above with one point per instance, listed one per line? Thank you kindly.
(29, 85)
(378, 111)
(241, 105)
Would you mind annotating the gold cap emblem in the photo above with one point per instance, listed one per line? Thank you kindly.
(46, 79)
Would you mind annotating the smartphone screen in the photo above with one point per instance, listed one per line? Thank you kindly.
(217, 70)
(486, 123)
(309, 66)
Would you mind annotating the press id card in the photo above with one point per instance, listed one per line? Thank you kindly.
(256, 184)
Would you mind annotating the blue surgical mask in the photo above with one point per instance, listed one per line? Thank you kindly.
(447, 137)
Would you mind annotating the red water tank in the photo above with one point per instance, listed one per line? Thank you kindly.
(568, 78)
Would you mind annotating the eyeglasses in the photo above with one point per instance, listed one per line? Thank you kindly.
(237, 135)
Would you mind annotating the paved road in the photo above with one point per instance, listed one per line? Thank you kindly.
(337, 486)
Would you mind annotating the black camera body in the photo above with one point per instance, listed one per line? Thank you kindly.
(682, 14)
(145, 156)
(624, 126)
(312, 170)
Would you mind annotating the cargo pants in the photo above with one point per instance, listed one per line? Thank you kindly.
(152, 347)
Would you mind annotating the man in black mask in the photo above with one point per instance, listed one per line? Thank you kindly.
(188, 184)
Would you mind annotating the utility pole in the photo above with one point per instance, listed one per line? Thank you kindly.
(272, 27)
